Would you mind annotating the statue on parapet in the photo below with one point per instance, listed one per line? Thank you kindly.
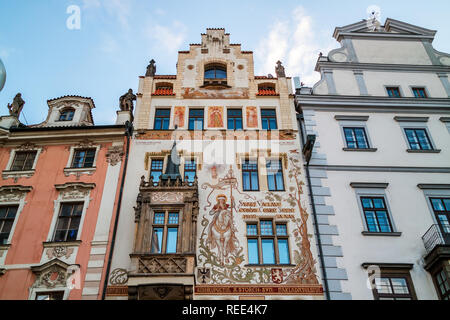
(126, 101)
(16, 107)
(279, 69)
(151, 69)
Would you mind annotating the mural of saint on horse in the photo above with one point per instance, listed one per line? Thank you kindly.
(222, 249)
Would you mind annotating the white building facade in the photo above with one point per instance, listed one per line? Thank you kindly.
(222, 213)
(380, 165)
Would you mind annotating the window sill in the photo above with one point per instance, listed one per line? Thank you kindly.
(423, 151)
(53, 244)
(6, 174)
(382, 234)
(5, 246)
(79, 171)
(270, 265)
(360, 150)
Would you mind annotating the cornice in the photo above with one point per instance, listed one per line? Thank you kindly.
(382, 67)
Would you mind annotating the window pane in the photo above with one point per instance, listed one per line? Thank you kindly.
(383, 221)
(74, 223)
(378, 203)
(280, 182)
(271, 183)
(252, 230)
(173, 218)
(281, 230)
(3, 212)
(383, 285)
(246, 180)
(266, 228)
(60, 235)
(268, 251)
(399, 286)
(159, 218)
(361, 138)
(11, 212)
(372, 224)
(255, 185)
(62, 224)
(157, 240)
(412, 139)
(72, 234)
(447, 204)
(253, 257)
(367, 203)
(273, 124)
(423, 140)
(172, 236)
(437, 205)
(283, 251)
(265, 124)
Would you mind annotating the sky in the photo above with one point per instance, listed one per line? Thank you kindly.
(103, 56)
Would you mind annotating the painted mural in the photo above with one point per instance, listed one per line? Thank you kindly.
(179, 115)
(215, 117)
(252, 117)
(221, 255)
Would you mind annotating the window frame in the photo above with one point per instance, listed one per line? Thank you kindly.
(26, 152)
(196, 117)
(275, 237)
(417, 124)
(215, 67)
(234, 119)
(280, 161)
(415, 133)
(3, 221)
(186, 160)
(446, 295)
(61, 206)
(162, 161)
(425, 91)
(267, 117)
(63, 111)
(162, 118)
(76, 150)
(388, 87)
(166, 226)
(353, 128)
(49, 293)
(396, 275)
(372, 198)
(250, 175)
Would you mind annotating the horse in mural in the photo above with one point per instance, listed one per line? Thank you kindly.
(221, 230)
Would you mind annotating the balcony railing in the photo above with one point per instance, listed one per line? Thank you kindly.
(434, 237)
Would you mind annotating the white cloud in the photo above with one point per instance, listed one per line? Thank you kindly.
(170, 38)
(293, 42)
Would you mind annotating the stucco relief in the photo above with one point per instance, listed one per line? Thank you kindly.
(74, 191)
(13, 193)
(114, 155)
(167, 197)
(118, 277)
(59, 252)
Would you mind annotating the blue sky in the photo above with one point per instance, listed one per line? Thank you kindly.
(117, 38)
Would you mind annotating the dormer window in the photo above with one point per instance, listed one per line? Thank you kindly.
(215, 71)
(67, 115)
(164, 89)
(266, 89)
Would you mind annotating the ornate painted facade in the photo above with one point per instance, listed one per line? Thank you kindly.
(234, 223)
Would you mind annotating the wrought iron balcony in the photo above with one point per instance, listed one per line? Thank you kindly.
(435, 237)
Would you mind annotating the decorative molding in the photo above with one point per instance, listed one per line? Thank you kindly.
(445, 119)
(51, 274)
(162, 264)
(13, 193)
(114, 155)
(119, 277)
(16, 175)
(351, 118)
(423, 151)
(368, 185)
(434, 186)
(78, 172)
(381, 234)
(75, 243)
(380, 168)
(75, 190)
(411, 119)
(360, 150)
(403, 266)
(59, 252)
(167, 197)
(150, 155)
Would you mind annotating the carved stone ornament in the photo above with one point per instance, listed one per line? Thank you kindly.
(16, 107)
(13, 193)
(167, 197)
(72, 191)
(51, 274)
(118, 277)
(59, 252)
(114, 155)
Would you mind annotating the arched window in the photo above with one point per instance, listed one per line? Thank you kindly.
(67, 115)
(215, 71)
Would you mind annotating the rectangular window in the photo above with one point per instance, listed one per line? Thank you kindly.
(196, 119)
(234, 119)
(356, 138)
(190, 171)
(393, 288)
(156, 170)
(275, 179)
(162, 119)
(57, 295)
(376, 214)
(393, 92)
(23, 161)
(418, 139)
(165, 232)
(83, 158)
(250, 175)
(441, 208)
(266, 247)
(7, 217)
(419, 92)
(68, 222)
(443, 285)
(269, 119)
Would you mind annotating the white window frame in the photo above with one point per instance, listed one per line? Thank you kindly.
(7, 173)
(417, 125)
(354, 122)
(434, 192)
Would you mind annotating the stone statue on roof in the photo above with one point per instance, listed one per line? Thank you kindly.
(151, 69)
(16, 107)
(279, 69)
(126, 101)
